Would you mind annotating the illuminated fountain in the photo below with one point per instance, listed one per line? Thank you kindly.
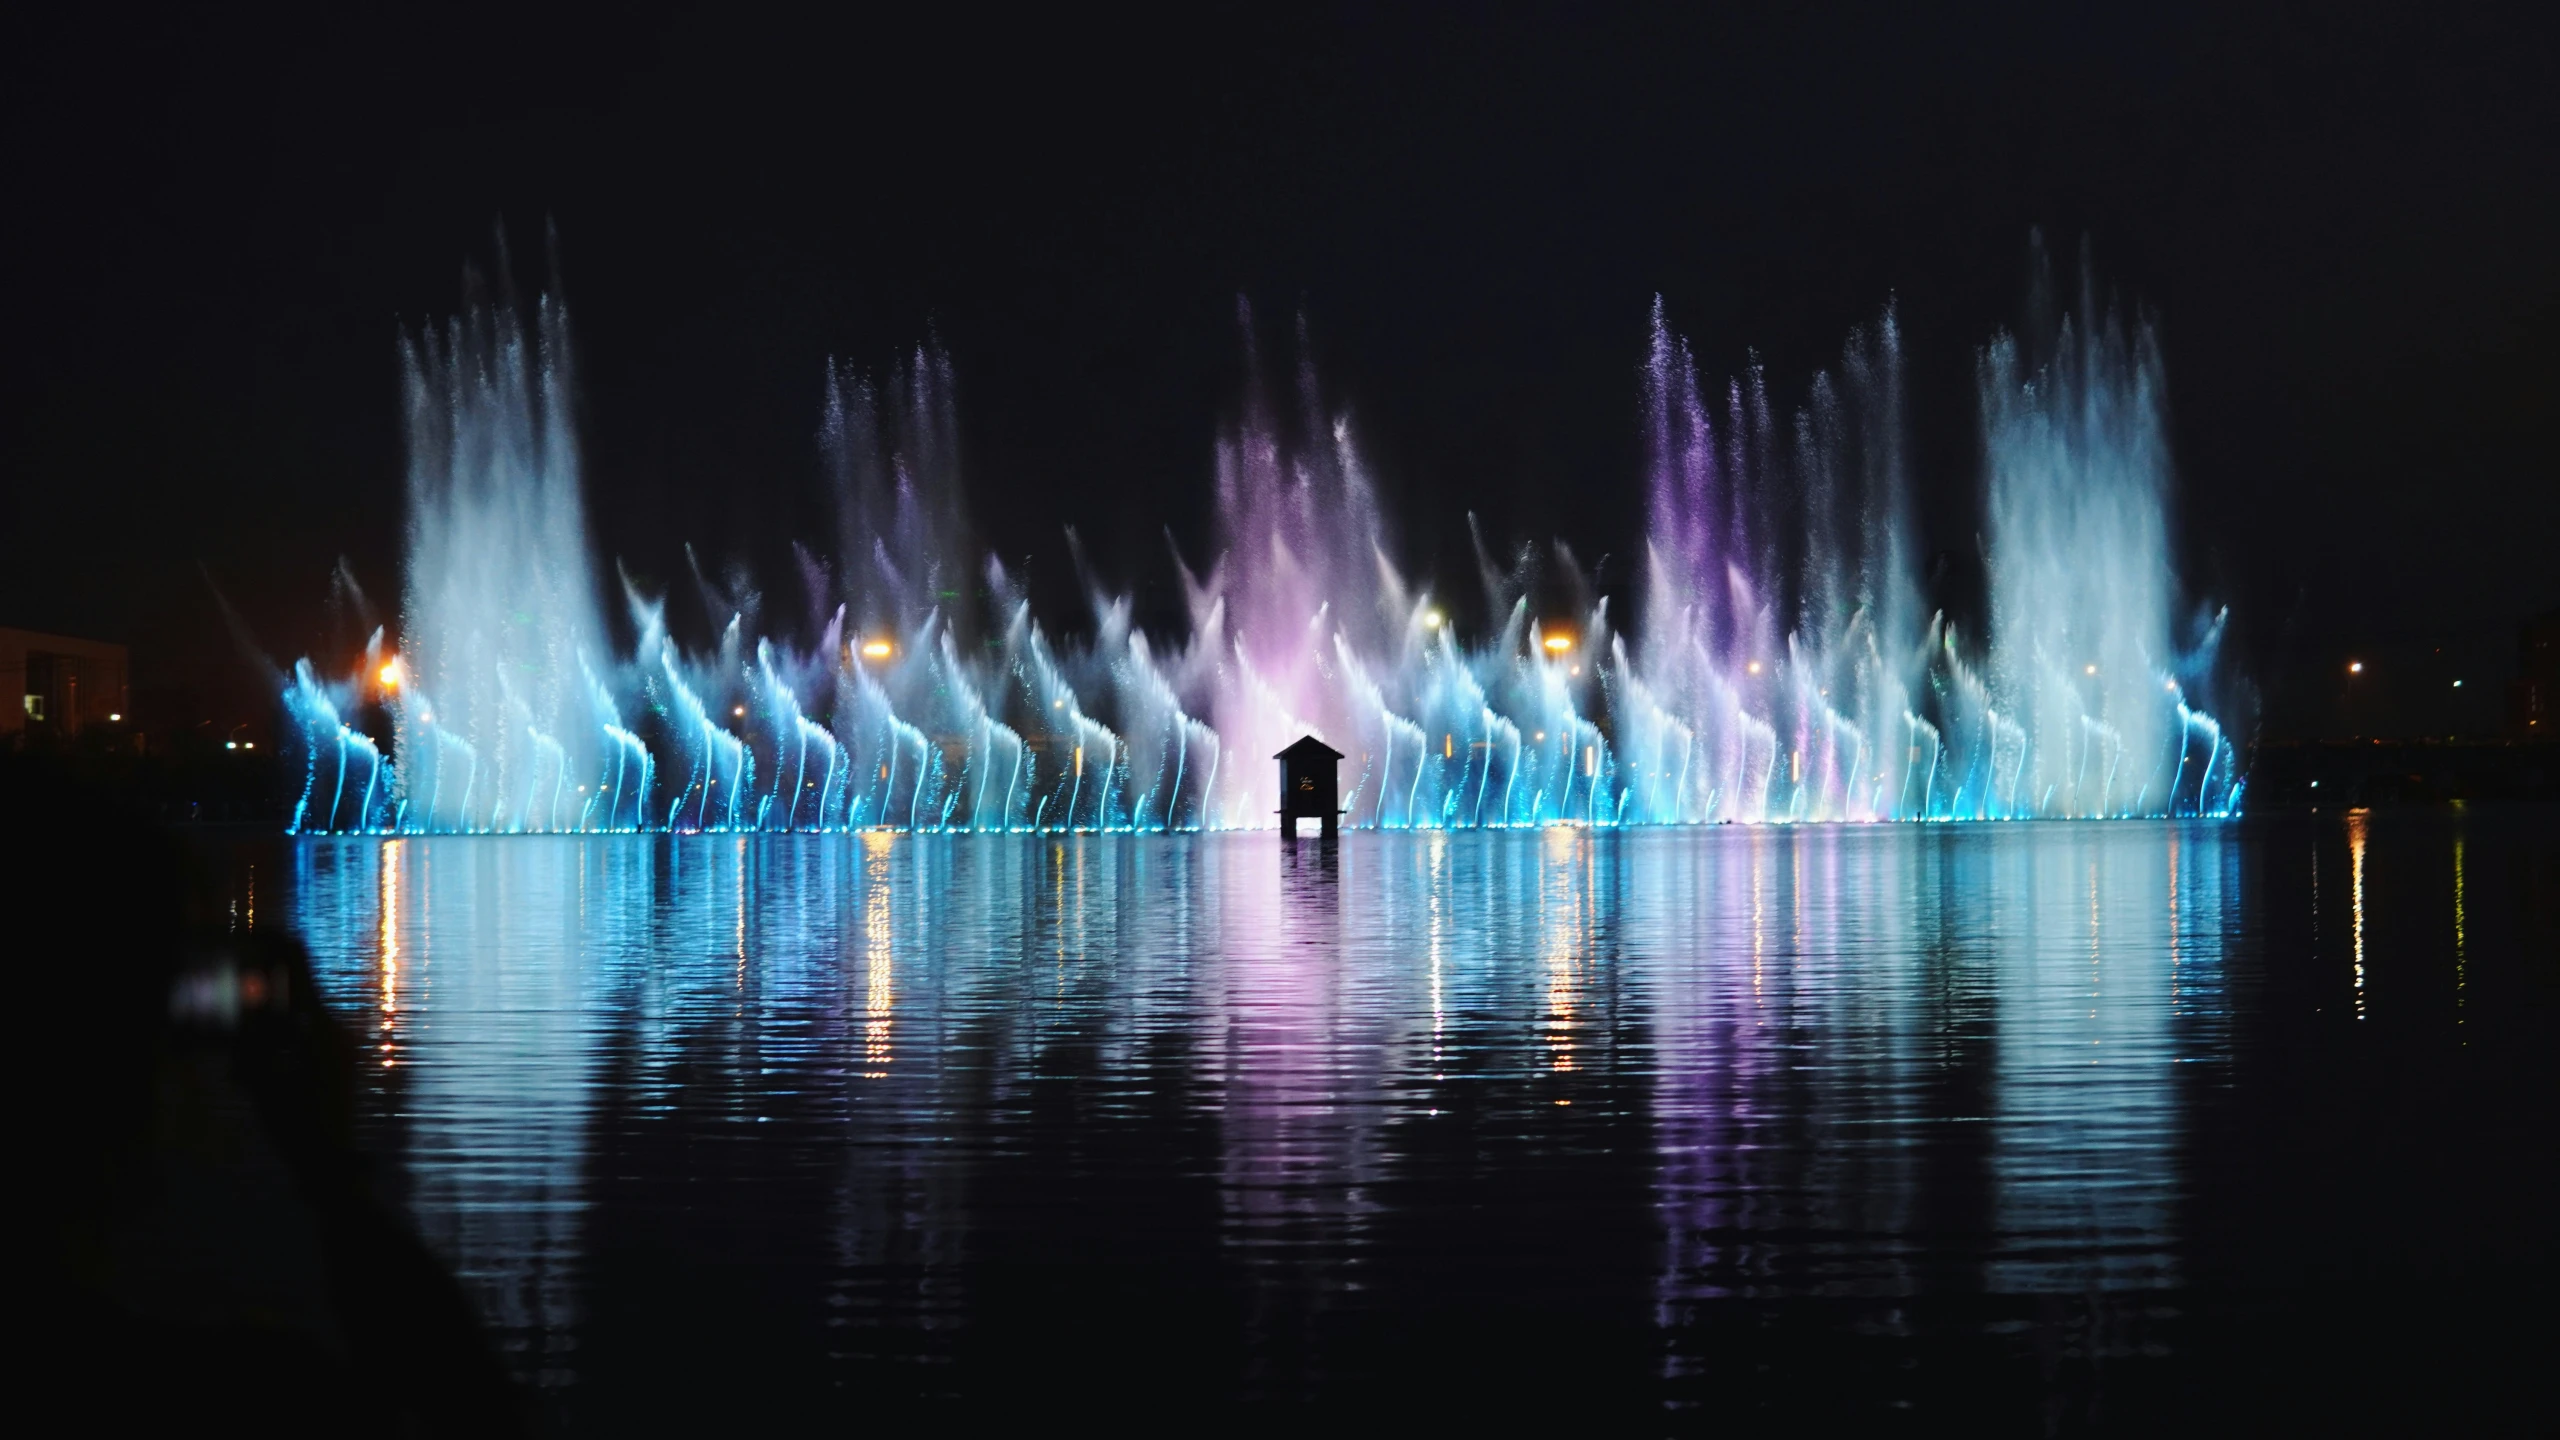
(1788, 666)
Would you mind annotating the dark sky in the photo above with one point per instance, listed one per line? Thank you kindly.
(2346, 224)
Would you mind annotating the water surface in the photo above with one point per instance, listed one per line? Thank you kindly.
(2045, 1123)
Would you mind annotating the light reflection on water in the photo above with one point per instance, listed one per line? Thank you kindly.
(1841, 1061)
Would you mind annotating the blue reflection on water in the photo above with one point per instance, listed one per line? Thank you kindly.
(1846, 1060)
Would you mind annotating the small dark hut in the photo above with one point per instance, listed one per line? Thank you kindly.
(1309, 785)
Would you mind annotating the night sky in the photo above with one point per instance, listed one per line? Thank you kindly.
(2346, 226)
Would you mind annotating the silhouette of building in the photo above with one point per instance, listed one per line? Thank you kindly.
(1309, 782)
(57, 686)
(2531, 694)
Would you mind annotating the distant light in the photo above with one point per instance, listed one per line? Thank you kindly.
(2315, 784)
(1541, 735)
(248, 744)
(1431, 619)
(118, 717)
(2456, 685)
(426, 717)
(1058, 704)
(2355, 667)
(1753, 667)
(391, 673)
(230, 744)
(738, 710)
(2172, 686)
(2088, 669)
(878, 649)
(1558, 644)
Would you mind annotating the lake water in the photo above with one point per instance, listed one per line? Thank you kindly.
(2048, 1125)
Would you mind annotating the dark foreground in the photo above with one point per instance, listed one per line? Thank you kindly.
(2038, 1128)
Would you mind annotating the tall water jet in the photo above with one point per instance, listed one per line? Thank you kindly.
(891, 453)
(1300, 537)
(1782, 645)
(2076, 480)
(497, 723)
